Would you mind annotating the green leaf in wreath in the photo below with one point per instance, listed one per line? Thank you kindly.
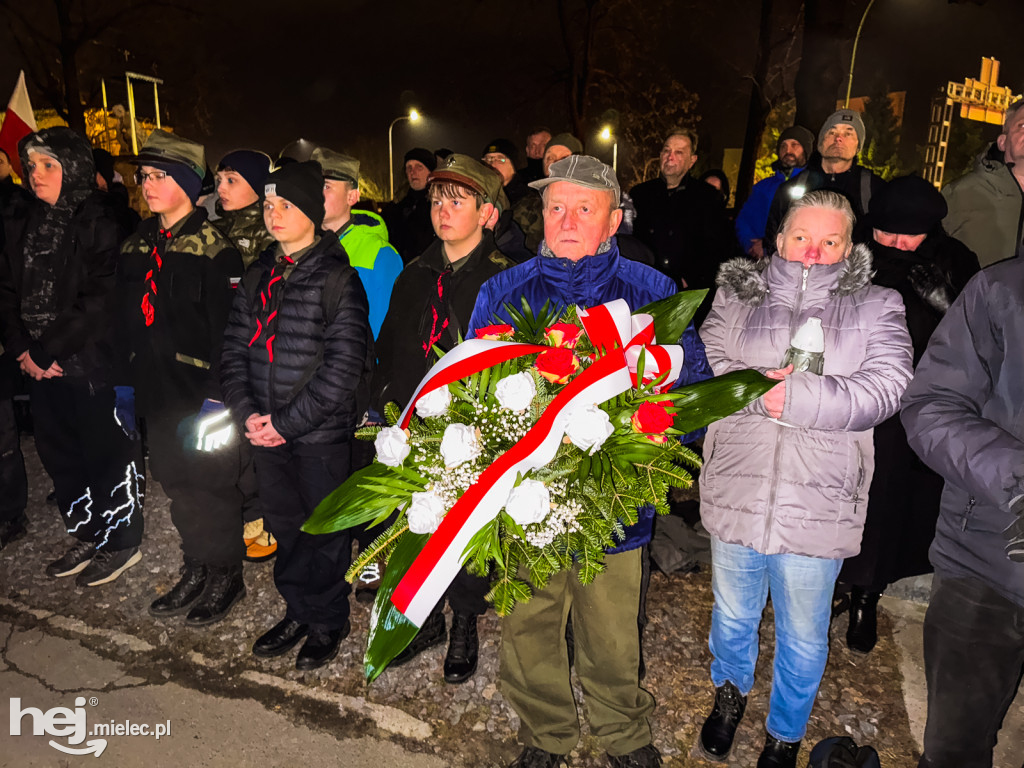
(714, 399)
(672, 315)
(390, 631)
(367, 494)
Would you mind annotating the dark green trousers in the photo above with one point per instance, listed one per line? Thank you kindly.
(535, 665)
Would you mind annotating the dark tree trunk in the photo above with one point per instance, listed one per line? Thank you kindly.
(68, 47)
(758, 107)
(823, 62)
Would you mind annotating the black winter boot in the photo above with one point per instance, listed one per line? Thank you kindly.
(719, 729)
(862, 633)
(183, 594)
(224, 588)
(778, 754)
(463, 648)
(431, 633)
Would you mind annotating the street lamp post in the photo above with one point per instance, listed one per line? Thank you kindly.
(606, 135)
(853, 56)
(412, 117)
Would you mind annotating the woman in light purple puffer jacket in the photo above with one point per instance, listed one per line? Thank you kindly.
(784, 486)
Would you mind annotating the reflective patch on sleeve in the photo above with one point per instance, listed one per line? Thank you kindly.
(191, 361)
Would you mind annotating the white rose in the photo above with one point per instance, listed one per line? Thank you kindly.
(392, 446)
(459, 444)
(588, 427)
(434, 403)
(529, 502)
(516, 392)
(425, 513)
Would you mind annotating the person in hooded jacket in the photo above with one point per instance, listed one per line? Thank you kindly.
(57, 287)
(785, 480)
(912, 254)
(297, 348)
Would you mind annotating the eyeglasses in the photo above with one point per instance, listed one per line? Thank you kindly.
(154, 176)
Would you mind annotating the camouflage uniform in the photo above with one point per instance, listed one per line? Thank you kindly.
(528, 213)
(245, 228)
(175, 362)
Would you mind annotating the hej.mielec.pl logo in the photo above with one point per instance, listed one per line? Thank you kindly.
(61, 722)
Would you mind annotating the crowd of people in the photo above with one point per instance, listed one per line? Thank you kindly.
(233, 340)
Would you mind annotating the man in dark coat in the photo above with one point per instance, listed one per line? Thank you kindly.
(683, 220)
(57, 281)
(176, 278)
(962, 416)
(833, 167)
(430, 307)
(408, 220)
(296, 350)
(913, 255)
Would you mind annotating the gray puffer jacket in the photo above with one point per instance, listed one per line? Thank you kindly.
(801, 488)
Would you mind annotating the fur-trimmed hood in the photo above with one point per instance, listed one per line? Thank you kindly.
(748, 281)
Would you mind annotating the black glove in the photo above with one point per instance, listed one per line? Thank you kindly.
(932, 286)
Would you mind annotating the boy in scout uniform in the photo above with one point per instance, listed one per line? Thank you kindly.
(430, 306)
(176, 278)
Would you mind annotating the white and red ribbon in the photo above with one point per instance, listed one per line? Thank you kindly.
(611, 329)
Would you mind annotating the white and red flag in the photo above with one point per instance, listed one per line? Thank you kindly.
(19, 122)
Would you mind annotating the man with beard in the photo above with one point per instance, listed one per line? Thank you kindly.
(834, 168)
(794, 148)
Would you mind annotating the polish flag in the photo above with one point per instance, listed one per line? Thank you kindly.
(19, 122)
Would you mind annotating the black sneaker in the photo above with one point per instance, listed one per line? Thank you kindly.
(431, 633)
(12, 530)
(72, 561)
(106, 565)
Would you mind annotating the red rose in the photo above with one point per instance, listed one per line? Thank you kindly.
(557, 365)
(652, 419)
(495, 332)
(563, 335)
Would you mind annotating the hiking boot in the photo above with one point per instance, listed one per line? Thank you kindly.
(778, 754)
(280, 638)
(321, 646)
(369, 582)
(463, 648)
(72, 561)
(431, 633)
(645, 757)
(532, 757)
(12, 530)
(183, 594)
(719, 729)
(862, 634)
(224, 588)
(106, 565)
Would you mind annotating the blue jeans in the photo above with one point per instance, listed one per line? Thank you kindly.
(801, 589)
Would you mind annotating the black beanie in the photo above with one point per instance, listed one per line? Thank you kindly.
(302, 185)
(800, 134)
(908, 205)
(183, 176)
(104, 164)
(251, 165)
(504, 147)
(421, 155)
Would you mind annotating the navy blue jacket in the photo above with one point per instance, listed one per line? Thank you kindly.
(752, 219)
(588, 282)
(964, 416)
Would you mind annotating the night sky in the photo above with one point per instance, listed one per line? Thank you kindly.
(260, 74)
